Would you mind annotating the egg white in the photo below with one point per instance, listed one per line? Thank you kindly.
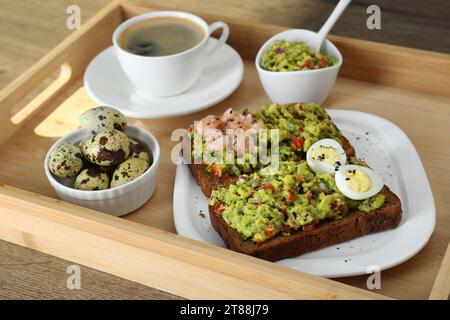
(321, 166)
(376, 182)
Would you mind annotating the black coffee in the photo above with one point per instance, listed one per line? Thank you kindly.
(161, 36)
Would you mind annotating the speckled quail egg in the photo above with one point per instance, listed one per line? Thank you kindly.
(100, 118)
(138, 150)
(66, 160)
(94, 178)
(80, 143)
(107, 147)
(128, 171)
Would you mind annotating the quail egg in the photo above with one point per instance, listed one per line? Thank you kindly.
(107, 147)
(100, 118)
(128, 171)
(80, 144)
(325, 156)
(137, 150)
(66, 160)
(358, 182)
(94, 178)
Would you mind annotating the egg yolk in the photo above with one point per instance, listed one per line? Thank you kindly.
(325, 154)
(358, 180)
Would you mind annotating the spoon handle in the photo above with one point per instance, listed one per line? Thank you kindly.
(323, 32)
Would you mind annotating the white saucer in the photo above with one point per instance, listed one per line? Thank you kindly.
(107, 85)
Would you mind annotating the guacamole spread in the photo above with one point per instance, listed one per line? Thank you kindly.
(299, 124)
(293, 198)
(294, 56)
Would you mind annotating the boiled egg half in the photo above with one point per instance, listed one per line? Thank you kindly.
(358, 182)
(325, 156)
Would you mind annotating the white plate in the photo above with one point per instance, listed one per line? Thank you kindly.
(389, 152)
(108, 85)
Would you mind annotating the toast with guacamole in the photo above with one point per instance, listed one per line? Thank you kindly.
(318, 194)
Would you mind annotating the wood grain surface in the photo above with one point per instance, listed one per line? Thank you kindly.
(29, 29)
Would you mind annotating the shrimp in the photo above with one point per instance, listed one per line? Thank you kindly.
(239, 121)
(233, 116)
(235, 124)
(208, 122)
(216, 129)
(217, 144)
(214, 139)
(228, 114)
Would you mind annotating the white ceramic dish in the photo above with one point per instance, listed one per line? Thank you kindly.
(388, 151)
(293, 86)
(116, 201)
(107, 85)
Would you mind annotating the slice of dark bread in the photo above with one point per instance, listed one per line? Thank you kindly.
(353, 225)
(209, 182)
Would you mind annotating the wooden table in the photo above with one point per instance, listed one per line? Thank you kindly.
(28, 30)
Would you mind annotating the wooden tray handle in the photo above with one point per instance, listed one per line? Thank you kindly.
(23, 87)
(61, 57)
(44, 96)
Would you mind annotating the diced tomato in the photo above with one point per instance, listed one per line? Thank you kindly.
(298, 142)
(323, 62)
(268, 186)
(219, 207)
(270, 230)
(217, 171)
(307, 64)
(291, 196)
(299, 179)
(191, 128)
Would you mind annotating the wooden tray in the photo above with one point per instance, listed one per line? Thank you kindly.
(406, 86)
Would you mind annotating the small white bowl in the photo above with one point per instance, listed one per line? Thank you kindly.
(299, 86)
(117, 201)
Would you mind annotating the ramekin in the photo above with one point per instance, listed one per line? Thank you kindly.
(299, 86)
(117, 201)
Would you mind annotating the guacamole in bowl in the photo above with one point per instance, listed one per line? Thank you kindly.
(285, 55)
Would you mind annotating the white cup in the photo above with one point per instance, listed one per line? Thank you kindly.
(164, 76)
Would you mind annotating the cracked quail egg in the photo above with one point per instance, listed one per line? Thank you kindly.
(66, 160)
(138, 150)
(128, 171)
(100, 118)
(107, 147)
(94, 178)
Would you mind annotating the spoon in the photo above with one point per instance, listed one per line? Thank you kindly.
(316, 44)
